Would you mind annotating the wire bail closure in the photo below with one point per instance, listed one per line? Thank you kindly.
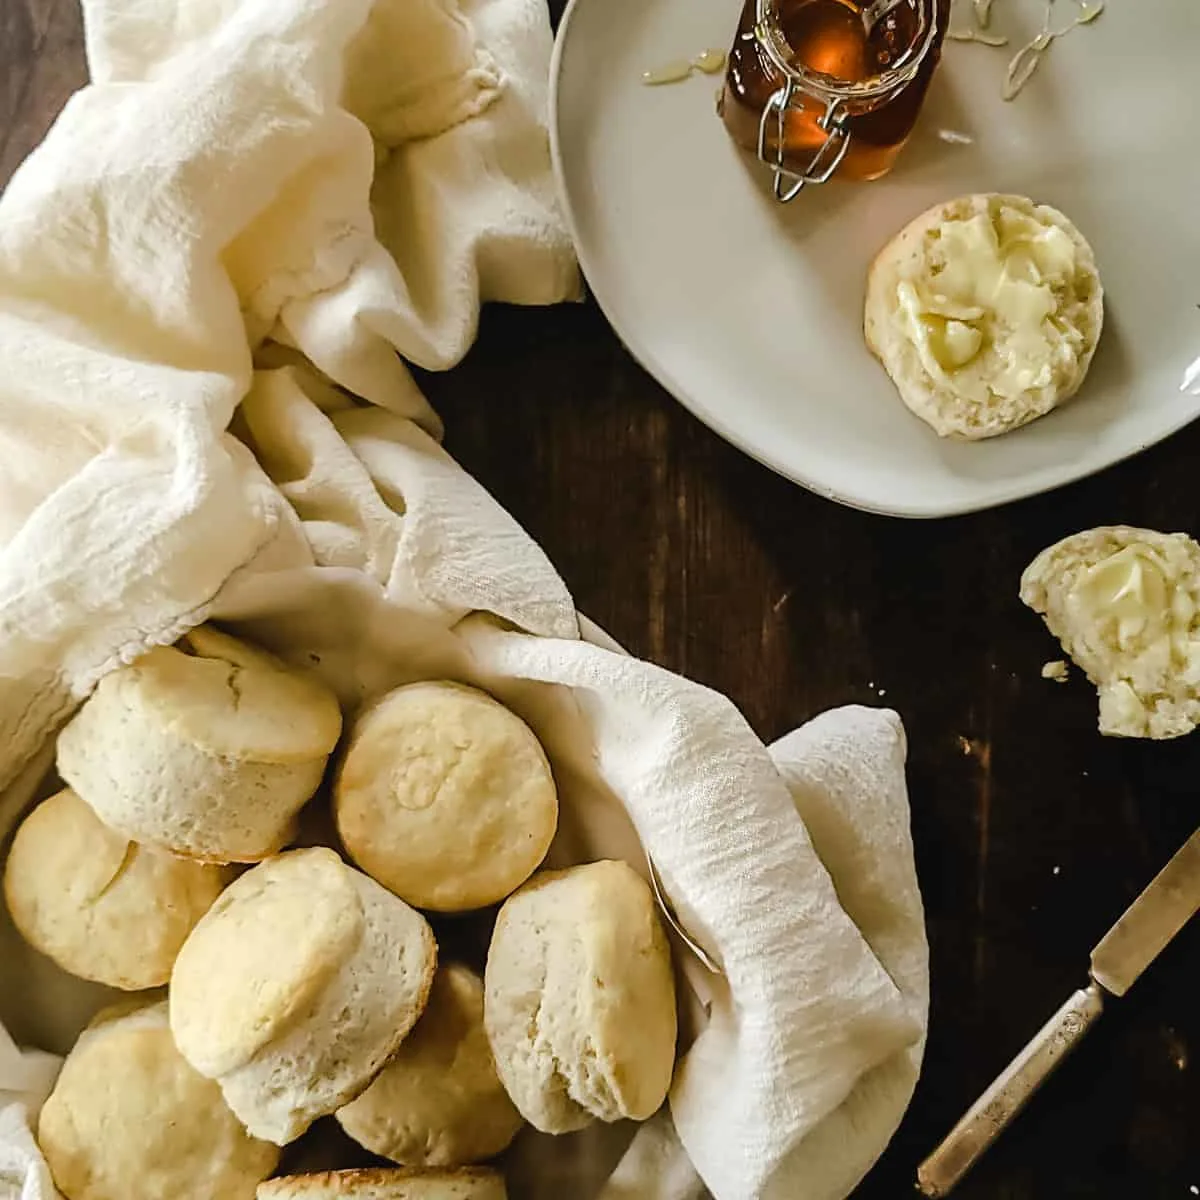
(807, 89)
(789, 183)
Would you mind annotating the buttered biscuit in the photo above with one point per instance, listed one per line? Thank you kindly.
(388, 1184)
(439, 1102)
(445, 797)
(580, 998)
(1125, 604)
(101, 906)
(208, 748)
(985, 311)
(130, 1120)
(297, 986)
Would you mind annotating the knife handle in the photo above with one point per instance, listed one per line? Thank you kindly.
(990, 1115)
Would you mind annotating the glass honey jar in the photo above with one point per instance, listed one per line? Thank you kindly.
(812, 92)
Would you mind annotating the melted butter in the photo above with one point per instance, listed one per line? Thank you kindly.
(1131, 597)
(995, 291)
(1127, 592)
(709, 62)
(1132, 601)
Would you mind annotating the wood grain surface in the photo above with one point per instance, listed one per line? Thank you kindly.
(1032, 832)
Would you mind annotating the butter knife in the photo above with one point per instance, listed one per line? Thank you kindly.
(1129, 947)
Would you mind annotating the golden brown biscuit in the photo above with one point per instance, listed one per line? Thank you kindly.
(387, 1184)
(439, 1102)
(102, 907)
(1125, 604)
(445, 797)
(297, 986)
(985, 311)
(130, 1120)
(208, 748)
(580, 998)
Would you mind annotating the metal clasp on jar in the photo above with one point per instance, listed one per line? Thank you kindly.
(788, 182)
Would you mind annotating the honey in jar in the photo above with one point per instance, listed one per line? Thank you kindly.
(813, 92)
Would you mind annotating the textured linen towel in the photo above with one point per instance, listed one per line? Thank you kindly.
(212, 275)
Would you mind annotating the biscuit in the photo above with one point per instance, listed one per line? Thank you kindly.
(580, 998)
(445, 797)
(297, 986)
(439, 1102)
(128, 1119)
(208, 749)
(387, 1184)
(102, 907)
(1125, 604)
(986, 312)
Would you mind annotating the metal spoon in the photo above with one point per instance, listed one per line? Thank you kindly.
(669, 912)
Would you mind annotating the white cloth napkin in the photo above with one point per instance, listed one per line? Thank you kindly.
(23, 1171)
(210, 275)
(26, 1077)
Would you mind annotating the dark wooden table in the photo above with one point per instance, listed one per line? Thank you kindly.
(1032, 832)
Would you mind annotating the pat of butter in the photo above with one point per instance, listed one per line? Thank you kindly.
(996, 287)
(1129, 593)
(961, 342)
(943, 342)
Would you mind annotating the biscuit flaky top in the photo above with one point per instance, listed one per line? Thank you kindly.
(260, 957)
(445, 797)
(129, 1119)
(232, 699)
(101, 906)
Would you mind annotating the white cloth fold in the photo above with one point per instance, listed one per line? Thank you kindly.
(23, 1172)
(26, 1077)
(228, 243)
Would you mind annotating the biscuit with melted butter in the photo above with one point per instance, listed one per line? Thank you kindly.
(986, 312)
(1125, 604)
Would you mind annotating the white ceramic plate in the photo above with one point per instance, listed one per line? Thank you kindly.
(750, 312)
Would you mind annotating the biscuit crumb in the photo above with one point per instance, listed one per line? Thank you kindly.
(1057, 671)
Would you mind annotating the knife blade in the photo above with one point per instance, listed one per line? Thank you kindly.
(1147, 926)
(1150, 922)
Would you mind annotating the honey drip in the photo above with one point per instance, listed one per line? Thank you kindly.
(708, 62)
(1027, 60)
(828, 36)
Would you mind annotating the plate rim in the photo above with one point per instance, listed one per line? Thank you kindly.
(644, 355)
